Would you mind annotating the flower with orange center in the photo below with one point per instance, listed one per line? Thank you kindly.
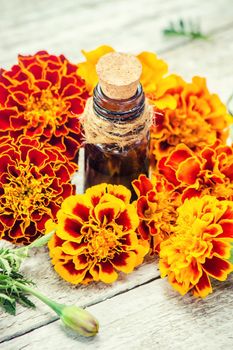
(156, 207)
(95, 236)
(209, 171)
(199, 119)
(42, 97)
(153, 79)
(200, 247)
(34, 180)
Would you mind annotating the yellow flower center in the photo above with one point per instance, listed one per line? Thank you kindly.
(103, 243)
(191, 131)
(25, 193)
(164, 213)
(45, 110)
(224, 190)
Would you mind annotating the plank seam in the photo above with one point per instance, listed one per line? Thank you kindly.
(18, 335)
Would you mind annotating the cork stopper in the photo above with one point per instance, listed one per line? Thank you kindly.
(119, 75)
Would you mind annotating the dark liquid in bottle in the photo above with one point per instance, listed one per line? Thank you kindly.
(104, 164)
(108, 162)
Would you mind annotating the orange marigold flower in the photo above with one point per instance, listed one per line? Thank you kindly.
(209, 171)
(95, 236)
(198, 119)
(34, 180)
(156, 207)
(41, 97)
(200, 246)
(153, 79)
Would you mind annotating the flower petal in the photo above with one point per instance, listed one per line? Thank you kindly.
(152, 70)
(217, 268)
(87, 69)
(107, 274)
(69, 228)
(95, 193)
(128, 218)
(69, 273)
(221, 249)
(227, 229)
(124, 261)
(203, 287)
(78, 206)
(120, 192)
(142, 185)
(188, 171)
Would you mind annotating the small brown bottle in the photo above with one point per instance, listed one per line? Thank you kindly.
(116, 123)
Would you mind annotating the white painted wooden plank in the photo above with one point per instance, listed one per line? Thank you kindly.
(39, 269)
(211, 59)
(150, 317)
(69, 26)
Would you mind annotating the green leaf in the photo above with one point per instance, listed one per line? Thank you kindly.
(25, 301)
(14, 287)
(189, 29)
(3, 278)
(11, 293)
(182, 25)
(9, 307)
(5, 297)
(5, 265)
(10, 260)
(8, 304)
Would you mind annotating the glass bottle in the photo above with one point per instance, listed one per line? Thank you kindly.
(107, 162)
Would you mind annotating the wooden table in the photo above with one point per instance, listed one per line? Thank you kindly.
(139, 311)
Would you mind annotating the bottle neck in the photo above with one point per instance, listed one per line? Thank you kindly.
(119, 111)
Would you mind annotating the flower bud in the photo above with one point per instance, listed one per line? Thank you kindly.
(79, 320)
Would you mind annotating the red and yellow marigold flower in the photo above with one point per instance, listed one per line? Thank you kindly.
(209, 171)
(96, 236)
(34, 180)
(41, 97)
(156, 207)
(199, 119)
(200, 247)
(154, 77)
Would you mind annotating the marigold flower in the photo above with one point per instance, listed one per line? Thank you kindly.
(209, 171)
(95, 236)
(41, 97)
(198, 119)
(200, 245)
(156, 207)
(34, 180)
(153, 79)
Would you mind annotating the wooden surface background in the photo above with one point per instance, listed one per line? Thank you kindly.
(139, 311)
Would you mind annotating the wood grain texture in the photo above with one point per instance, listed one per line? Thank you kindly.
(39, 269)
(68, 26)
(149, 317)
(212, 59)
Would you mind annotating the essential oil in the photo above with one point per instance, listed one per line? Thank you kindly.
(116, 124)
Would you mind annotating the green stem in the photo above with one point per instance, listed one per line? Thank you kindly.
(39, 242)
(54, 305)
